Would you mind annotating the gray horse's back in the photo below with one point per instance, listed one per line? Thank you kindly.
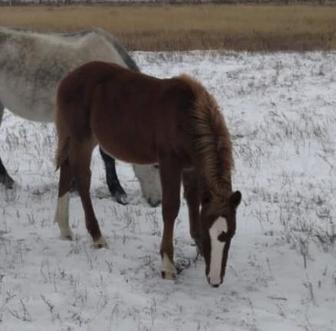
(32, 64)
(130, 63)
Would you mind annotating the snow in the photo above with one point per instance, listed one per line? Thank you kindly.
(281, 111)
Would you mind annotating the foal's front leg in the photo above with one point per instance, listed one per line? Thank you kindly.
(170, 173)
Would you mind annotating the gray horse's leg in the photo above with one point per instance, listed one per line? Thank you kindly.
(4, 177)
(112, 180)
(149, 178)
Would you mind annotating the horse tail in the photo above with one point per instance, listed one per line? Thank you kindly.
(63, 142)
(62, 153)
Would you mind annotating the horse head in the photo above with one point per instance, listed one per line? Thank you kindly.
(218, 226)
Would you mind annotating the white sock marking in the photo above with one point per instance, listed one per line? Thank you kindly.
(168, 267)
(62, 216)
(217, 248)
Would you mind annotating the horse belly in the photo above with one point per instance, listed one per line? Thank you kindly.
(128, 150)
(128, 154)
(24, 100)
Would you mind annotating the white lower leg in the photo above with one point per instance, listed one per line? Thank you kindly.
(168, 270)
(62, 216)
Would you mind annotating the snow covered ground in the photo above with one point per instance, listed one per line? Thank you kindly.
(281, 111)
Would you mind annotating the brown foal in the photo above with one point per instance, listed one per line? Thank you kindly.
(141, 119)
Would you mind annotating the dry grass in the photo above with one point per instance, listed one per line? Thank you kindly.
(264, 28)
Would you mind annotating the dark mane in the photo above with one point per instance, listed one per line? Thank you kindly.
(211, 140)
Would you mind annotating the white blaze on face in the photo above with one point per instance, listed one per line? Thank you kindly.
(217, 248)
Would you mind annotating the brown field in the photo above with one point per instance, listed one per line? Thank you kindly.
(240, 27)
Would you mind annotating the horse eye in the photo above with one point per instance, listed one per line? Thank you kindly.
(222, 237)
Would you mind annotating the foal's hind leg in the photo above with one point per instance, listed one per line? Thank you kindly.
(170, 172)
(4, 176)
(62, 209)
(80, 163)
(113, 183)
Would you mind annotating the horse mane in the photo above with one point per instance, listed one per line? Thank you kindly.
(211, 140)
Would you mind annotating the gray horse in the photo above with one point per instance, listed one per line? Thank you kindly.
(32, 64)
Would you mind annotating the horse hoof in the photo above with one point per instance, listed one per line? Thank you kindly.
(100, 243)
(121, 198)
(67, 235)
(168, 275)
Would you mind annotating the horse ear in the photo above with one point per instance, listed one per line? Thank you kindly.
(235, 199)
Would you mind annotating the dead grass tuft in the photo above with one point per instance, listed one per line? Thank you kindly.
(241, 27)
